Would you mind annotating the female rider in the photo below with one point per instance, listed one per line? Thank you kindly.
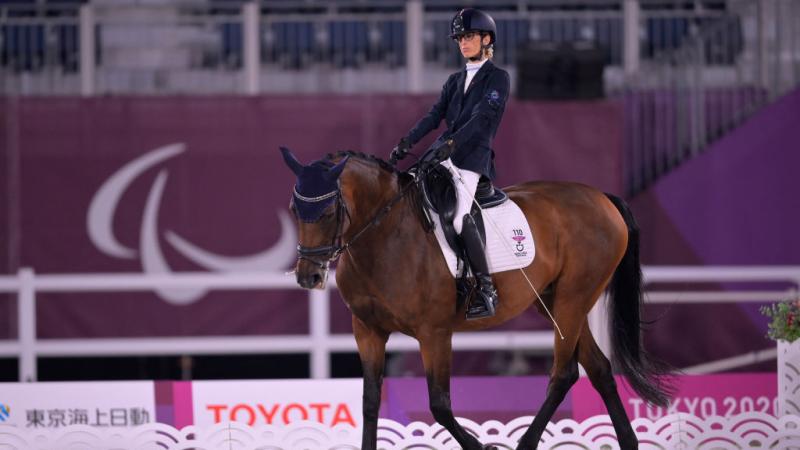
(471, 103)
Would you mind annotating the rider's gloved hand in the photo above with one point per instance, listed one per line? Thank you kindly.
(400, 151)
(444, 151)
(436, 155)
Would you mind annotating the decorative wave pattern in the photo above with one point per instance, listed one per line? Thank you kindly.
(789, 377)
(675, 431)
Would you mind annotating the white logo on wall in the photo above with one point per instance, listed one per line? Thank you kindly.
(100, 218)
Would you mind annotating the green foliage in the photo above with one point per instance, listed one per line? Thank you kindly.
(784, 320)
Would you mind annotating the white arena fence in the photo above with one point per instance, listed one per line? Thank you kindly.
(319, 343)
(675, 431)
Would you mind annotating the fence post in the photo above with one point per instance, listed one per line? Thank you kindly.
(26, 320)
(414, 56)
(766, 21)
(698, 90)
(632, 14)
(319, 323)
(87, 46)
(251, 45)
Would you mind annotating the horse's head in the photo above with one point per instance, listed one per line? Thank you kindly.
(320, 212)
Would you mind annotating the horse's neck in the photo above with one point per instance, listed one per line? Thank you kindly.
(373, 191)
(368, 188)
(385, 262)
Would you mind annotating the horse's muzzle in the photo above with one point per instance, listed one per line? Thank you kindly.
(312, 279)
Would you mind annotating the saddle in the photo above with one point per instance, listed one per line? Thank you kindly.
(439, 195)
(438, 191)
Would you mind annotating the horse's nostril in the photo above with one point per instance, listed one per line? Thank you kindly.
(309, 281)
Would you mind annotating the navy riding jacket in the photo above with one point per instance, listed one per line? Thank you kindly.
(472, 118)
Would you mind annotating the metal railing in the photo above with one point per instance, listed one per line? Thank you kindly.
(662, 25)
(239, 47)
(319, 342)
(41, 42)
(334, 40)
(683, 99)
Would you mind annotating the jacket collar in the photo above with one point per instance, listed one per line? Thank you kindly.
(481, 74)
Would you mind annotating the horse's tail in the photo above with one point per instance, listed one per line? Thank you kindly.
(644, 373)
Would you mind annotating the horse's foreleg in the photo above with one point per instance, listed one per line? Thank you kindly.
(372, 351)
(598, 368)
(436, 350)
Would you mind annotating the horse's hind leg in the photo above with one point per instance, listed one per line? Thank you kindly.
(571, 304)
(563, 376)
(372, 351)
(598, 368)
(436, 349)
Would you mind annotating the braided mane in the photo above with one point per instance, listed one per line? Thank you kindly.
(364, 157)
(403, 177)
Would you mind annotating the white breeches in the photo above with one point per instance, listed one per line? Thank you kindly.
(466, 183)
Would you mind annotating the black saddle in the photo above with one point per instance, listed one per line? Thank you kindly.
(439, 194)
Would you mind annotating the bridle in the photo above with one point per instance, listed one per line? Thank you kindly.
(327, 252)
(322, 256)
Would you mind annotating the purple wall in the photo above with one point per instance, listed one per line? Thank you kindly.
(8, 309)
(653, 118)
(736, 204)
(224, 191)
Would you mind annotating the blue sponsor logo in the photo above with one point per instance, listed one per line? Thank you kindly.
(493, 98)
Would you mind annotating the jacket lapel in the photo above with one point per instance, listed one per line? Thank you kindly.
(458, 98)
(462, 77)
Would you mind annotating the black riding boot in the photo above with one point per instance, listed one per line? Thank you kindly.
(484, 302)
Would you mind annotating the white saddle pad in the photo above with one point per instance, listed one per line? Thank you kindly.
(509, 241)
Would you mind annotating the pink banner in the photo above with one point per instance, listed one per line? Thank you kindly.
(703, 396)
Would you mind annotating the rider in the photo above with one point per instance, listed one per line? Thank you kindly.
(471, 103)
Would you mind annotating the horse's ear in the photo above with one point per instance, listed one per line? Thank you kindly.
(291, 161)
(333, 173)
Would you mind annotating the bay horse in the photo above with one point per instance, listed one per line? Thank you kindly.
(393, 278)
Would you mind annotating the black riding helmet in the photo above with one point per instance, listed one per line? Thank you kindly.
(471, 19)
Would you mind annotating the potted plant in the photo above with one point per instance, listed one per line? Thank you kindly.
(784, 327)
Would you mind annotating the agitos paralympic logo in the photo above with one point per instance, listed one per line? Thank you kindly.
(5, 412)
(100, 218)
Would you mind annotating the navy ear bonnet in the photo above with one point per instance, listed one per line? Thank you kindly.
(317, 185)
(313, 193)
